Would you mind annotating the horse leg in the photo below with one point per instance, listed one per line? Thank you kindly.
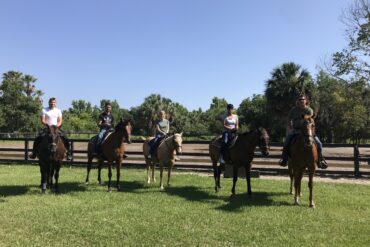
(152, 166)
(118, 169)
(43, 179)
(169, 174)
(219, 171)
(297, 183)
(161, 175)
(100, 164)
(56, 176)
(109, 174)
(215, 174)
(89, 161)
(235, 178)
(248, 178)
(147, 170)
(291, 175)
(310, 186)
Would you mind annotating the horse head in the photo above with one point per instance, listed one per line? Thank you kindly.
(177, 142)
(263, 141)
(308, 130)
(53, 138)
(124, 125)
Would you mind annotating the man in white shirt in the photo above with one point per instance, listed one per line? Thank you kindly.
(51, 116)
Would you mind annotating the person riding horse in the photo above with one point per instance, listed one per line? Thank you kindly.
(162, 127)
(51, 116)
(294, 128)
(105, 123)
(231, 125)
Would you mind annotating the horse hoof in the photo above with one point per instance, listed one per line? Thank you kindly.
(86, 183)
(118, 188)
(312, 206)
(162, 187)
(216, 189)
(43, 192)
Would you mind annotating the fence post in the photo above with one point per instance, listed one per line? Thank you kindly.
(72, 151)
(356, 154)
(26, 142)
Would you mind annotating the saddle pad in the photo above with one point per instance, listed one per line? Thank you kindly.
(217, 142)
(106, 137)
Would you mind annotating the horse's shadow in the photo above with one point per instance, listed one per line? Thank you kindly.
(259, 199)
(13, 190)
(233, 203)
(70, 187)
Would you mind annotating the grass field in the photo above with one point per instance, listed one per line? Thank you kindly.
(187, 214)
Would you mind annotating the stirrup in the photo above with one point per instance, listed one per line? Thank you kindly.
(32, 156)
(69, 156)
(283, 162)
(322, 164)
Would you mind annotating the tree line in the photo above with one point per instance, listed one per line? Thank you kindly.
(339, 94)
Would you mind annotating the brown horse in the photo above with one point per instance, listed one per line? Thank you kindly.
(240, 155)
(113, 149)
(51, 154)
(304, 156)
(165, 156)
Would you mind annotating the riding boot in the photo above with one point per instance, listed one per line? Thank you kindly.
(284, 161)
(321, 161)
(68, 147)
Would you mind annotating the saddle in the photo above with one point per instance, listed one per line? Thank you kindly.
(94, 141)
(217, 142)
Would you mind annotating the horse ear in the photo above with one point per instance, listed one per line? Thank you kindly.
(181, 133)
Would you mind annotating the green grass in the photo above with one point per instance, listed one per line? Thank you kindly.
(187, 214)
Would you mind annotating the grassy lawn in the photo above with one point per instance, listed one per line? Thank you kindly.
(187, 214)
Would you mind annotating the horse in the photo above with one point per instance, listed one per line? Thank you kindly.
(304, 156)
(50, 154)
(240, 155)
(113, 149)
(165, 156)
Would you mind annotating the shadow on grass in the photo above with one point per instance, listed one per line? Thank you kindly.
(233, 203)
(259, 199)
(13, 190)
(192, 193)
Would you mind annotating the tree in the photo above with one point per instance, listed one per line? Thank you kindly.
(354, 60)
(215, 115)
(79, 118)
(20, 103)
(287, 82)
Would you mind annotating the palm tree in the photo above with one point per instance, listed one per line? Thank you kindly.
(287, 82)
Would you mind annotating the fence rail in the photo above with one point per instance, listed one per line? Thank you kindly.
(195, 157)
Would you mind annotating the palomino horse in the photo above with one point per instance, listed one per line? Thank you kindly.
(304, 155)
(51, 154)
(165, 156)
(113, 149)
(240, 155)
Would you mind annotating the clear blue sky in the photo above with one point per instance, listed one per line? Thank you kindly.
(186, 50)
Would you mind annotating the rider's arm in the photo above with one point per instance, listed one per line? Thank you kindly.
(159, 130)
(59, 121)
(237, 123)
(43, 120)
(225, 126)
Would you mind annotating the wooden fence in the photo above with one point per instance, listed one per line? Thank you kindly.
(193, 160)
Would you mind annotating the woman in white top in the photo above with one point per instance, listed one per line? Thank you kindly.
(231, 125)
(51, 116)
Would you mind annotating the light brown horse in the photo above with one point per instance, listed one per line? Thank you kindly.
(113, 149)
(304, 156)
(51, 154)
(240, 155)
(165, 156)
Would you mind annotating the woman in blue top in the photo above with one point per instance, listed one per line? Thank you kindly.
(162, 127)
(231, 125)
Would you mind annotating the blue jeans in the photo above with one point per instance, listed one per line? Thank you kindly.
(289, 139)
(155, 143)
(100, 139)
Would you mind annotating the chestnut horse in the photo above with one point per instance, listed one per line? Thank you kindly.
(113, 149)
(304, 155)
(240, 155)
(165, 156)
(51, 154)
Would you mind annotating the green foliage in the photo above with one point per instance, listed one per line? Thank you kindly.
(287, 82)
(20, 103)
(189, 213)
(215, 115)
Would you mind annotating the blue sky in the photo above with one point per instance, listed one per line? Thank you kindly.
(187, 50)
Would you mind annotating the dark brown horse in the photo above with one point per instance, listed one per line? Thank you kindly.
(51, 154)
(304, 156)
(113, 149)
(241, 155)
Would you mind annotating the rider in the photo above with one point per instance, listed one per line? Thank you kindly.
(51, 116)
(162, 127)
(231, 125)
(294, 128)
(105, 123)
